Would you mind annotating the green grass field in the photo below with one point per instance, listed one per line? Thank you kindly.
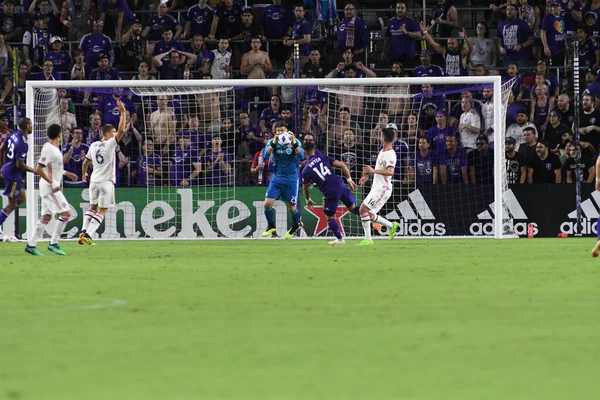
(409, 319)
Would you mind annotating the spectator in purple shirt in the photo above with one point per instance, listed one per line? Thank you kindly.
(453, 163)
(275, 20)
(226, 21)
(353, 32)
(437, 135)
(59, 57)
(514, 38)
(423, 166)
(148, 169)
(400, 37)
(299, 33)
(96, 43)
(47, 74)
(159, 21)
(270, 115)
(178, 66)
(73, 155)
(36, 41)
(167, 43)
(198, 20)
(427, 68)
(249, 134)
(218, 164)
(552, 33)
(109, 112)
(120, 16)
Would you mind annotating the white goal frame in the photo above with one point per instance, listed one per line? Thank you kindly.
(496, 81)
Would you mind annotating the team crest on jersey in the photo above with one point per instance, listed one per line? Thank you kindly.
(288, 151)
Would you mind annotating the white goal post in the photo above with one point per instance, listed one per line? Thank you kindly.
(157, 87)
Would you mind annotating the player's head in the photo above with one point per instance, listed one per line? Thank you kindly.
(280, 127)
(388, 135)
(54, 131)
(308, 138)
(309, 148)
(25, 125)
(108, 131)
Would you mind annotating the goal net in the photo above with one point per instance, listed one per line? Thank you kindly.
(190, 164)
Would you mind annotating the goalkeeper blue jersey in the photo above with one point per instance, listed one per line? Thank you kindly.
(285, 161)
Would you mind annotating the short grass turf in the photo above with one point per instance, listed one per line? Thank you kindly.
(272, 319)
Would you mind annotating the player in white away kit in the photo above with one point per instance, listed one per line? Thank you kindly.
(102, 181)
(50, 167)
(381, 190)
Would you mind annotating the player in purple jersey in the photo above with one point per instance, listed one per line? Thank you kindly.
(13, 154)
(318, 170)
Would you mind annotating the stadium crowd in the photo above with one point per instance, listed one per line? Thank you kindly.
(445, 136)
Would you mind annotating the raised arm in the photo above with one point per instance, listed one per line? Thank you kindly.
(122, 120)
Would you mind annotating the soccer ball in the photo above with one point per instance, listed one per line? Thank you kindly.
(284, 139)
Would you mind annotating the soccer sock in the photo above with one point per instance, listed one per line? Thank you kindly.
(270, 215)
(94, 224)
(40, 226)
(3, 215)
(59, 228)
(87, 218)
(296, 217)
(365, 220)
(378, 219)
(335, 228)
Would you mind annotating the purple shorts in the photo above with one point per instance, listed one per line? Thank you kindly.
(13, 187)
(343, 194)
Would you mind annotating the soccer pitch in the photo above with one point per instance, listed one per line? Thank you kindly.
(273, 319)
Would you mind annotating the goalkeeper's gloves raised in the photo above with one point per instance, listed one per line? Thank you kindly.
(294, 140)
(274, 142)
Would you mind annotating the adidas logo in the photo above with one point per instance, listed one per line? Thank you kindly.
(515, 213)
(416, 218)
(589, 212)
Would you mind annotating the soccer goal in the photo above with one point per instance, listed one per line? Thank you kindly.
(190, 164)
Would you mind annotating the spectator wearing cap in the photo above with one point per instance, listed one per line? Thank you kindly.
(481, 162)
(544, 167)
(167, 44)
(275, 20)
(11, 24)
(95, 44)
(437, 134)
(552, 33)
(299, 33)
(77, 17)
(120, 17)
(248, 31)
(48, 73)
(455, 58)
(50, 12)
(178, 66)
(516, 130)
(427, 68)
(516, 163)
(353, 32)
(199, 18)
(160, 20)
(426, 104)
(36, 41)
(515, 38)
(59, 57)
(226, 21)
(400, 36)
(218, 164)
(134, 47)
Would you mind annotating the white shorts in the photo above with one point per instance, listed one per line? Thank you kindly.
(102, 194)
(377, 198)
(55, 203)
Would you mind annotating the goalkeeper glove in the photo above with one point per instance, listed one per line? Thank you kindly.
(294, 140)
(274, 142)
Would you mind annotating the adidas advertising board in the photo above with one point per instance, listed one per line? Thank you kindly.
(517, 225)
(415, 217)
(589, 217)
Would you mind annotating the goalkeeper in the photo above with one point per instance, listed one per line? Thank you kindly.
(285, 182)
